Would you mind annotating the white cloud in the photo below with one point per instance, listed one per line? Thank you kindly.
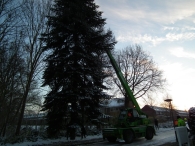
(170, 28)
(180, 36)
(147, 38)
(146, 22)
(140, 39)
(185, 28)
(179, 52)
(188, 28)
(165, 12)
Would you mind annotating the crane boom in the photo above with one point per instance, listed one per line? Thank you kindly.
(123, 81)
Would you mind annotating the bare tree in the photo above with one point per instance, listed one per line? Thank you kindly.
(140, 72)
(10, 67)
(150, 100)
(33, 18)
(8, 20)
(21, 26)
(11, 62)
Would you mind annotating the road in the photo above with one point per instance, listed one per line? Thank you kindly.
(161, 138)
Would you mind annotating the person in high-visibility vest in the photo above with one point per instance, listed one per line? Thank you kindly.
(180, 121)
(176, 123)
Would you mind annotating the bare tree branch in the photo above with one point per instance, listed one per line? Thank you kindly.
(140, 72)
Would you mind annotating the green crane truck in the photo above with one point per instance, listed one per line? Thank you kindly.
(132, 122)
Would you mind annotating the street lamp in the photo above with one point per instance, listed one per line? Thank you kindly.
(171, 110)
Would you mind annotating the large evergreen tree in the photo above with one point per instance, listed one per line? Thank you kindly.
(76, 42)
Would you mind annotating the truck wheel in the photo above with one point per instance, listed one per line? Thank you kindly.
(128, 136)
(111, 139)
(149, 133)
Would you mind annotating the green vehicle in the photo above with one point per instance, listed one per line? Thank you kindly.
(132, 122)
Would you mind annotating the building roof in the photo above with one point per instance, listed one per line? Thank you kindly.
(114, 102)
(182, 113)
(163, 109)
(156, 108)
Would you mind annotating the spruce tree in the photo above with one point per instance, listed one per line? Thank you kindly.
(75, 44)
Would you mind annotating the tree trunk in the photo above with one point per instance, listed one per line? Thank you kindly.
(9, 110)
(23, 104)
(128, 102)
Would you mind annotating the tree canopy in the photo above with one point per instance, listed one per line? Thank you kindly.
(140, 72)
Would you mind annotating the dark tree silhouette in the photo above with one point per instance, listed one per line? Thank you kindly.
(76, 42)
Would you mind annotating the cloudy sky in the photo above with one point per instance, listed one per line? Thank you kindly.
(165, 29)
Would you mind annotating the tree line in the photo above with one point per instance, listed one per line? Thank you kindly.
(21, 58)
(60, 45)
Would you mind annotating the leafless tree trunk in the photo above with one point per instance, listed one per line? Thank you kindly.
(34, 21)
(140, 72)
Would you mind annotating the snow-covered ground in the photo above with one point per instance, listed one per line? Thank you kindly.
(164, 135)
(50, 141)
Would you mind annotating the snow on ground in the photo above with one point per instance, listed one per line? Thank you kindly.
(50, 141)
(163, 136)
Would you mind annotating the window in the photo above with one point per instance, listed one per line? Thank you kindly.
(135, 113)
(122, 115)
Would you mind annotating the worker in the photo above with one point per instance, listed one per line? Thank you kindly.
(191, 120)
(175, 123)
(83, 132)
(191, 123)
(156, 124)
(180, 121)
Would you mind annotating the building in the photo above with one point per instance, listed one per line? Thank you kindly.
(34, 119)
(183, 114)
(112, 107)
(163, 113)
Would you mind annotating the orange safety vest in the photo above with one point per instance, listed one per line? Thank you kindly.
(176, 123)
(129, 114)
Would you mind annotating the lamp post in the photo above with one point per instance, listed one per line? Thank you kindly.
(171, 113)
(171, 110)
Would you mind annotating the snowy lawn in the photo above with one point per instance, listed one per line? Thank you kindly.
(50, 141)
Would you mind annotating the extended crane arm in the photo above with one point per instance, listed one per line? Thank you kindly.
(123, 81)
